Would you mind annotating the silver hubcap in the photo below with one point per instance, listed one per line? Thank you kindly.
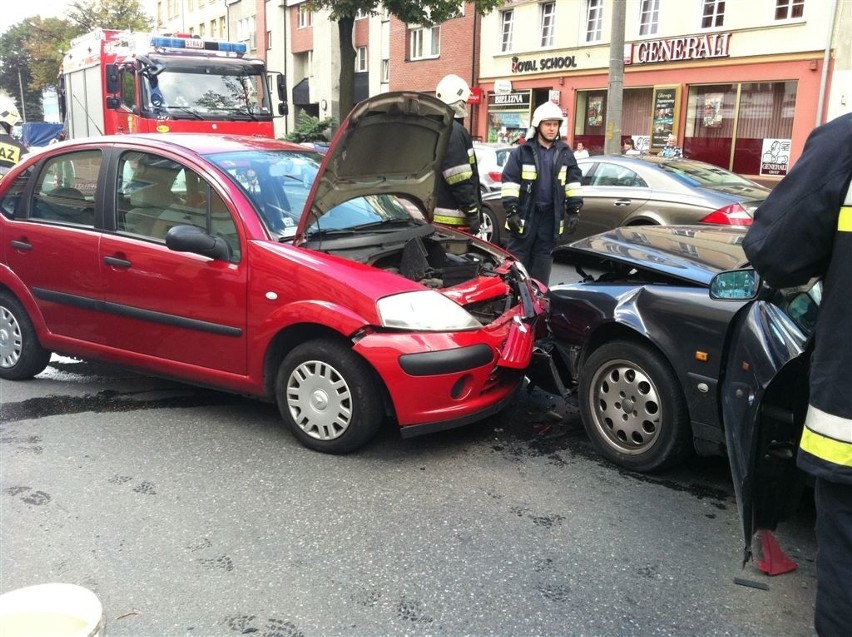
(319, 400)
(11, 343)
(625, 406)
(486, 229)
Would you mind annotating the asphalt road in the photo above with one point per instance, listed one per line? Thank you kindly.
(191, 512)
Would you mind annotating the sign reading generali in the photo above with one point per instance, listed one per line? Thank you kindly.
(690, 47)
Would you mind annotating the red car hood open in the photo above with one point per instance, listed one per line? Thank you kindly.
(393, 143)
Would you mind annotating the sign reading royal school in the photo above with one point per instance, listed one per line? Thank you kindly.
(543, 64)
(690, 47)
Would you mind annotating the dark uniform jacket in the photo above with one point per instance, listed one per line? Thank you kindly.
(458, 191)
(804, 230)
(520, 181)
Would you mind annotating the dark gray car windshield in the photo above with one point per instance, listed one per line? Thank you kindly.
(701, 174)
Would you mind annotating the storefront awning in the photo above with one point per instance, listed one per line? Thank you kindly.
(302, 93)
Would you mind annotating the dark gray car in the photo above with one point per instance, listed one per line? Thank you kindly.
(648, 190)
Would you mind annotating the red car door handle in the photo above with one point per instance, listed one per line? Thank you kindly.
(116, 262)
(622, 202)
(22, 245)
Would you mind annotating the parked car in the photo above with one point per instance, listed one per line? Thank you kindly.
(647, 190)
(644, 345)
(267, 269)
(490, 159)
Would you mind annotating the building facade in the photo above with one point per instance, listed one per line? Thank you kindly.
(740, 84)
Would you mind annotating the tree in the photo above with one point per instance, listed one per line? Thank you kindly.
(31, 51)
(420, 12)
(88, 15)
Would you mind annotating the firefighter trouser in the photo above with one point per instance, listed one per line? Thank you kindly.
(833, 617)
(533, 248)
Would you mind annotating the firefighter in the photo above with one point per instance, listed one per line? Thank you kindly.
(541, 188)
(458, 201)
(801, 231)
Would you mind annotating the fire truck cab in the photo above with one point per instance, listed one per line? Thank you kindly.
(115, 82)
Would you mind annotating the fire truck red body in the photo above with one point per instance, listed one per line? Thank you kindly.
(116, 82)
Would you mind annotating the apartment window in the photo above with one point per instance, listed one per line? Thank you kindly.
(425, 43)
(385, 71)
(213, 26)
(594, 20)
(506, 19)
(305, 16)
(202, 29)
(713, 14)
(361, 59)
(649, 15)
(223, 28)
(269, 40)
(360, 14)
(548, 23)
(786, 9)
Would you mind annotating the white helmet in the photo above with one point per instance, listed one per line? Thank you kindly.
(454, 92)
(545, 112)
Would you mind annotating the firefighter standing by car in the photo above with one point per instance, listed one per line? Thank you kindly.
(804, 230)
(541, 188)
(458, 199)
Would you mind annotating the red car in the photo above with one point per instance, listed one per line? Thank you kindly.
(264, 268)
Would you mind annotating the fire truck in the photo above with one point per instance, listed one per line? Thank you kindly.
(115, 82)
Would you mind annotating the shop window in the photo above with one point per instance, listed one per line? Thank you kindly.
(506, 20)
(425, 43)
(649, 15)
(713, 14)
(594, 20)
(789, 9)
(728, 125)
(548, 23)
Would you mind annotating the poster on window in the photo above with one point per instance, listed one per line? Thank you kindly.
(712, 116)
(595, 111)
(775, 157)
(663, 120)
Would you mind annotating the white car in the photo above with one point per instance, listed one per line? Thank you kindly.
(490, 159)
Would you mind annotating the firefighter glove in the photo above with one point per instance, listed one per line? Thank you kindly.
(513, 221)
(571, 219)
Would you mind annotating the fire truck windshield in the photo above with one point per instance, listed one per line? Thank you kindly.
(207, 89)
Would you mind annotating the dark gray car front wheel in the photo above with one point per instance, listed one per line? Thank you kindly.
(328, 396)
(21, 355)
(633, 407)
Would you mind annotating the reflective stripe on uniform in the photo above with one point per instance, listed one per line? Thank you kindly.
(449, 217)
(510, 189)
(828, 437)
(528, 172)
(456, 174)
(471, 157)
(563, 174)
(844, 220)
(572, 189)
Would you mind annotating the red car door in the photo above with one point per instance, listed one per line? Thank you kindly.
(181, 308)
(54, 251)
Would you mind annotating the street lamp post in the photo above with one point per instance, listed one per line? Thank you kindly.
(23, 104)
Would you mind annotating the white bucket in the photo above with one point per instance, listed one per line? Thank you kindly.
(55, 610)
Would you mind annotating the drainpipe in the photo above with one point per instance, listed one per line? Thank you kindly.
(826, 58)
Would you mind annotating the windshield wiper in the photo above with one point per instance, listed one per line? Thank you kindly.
(185, 109)
(378, 224)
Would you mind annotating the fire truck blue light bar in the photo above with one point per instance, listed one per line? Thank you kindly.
(196, 43)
